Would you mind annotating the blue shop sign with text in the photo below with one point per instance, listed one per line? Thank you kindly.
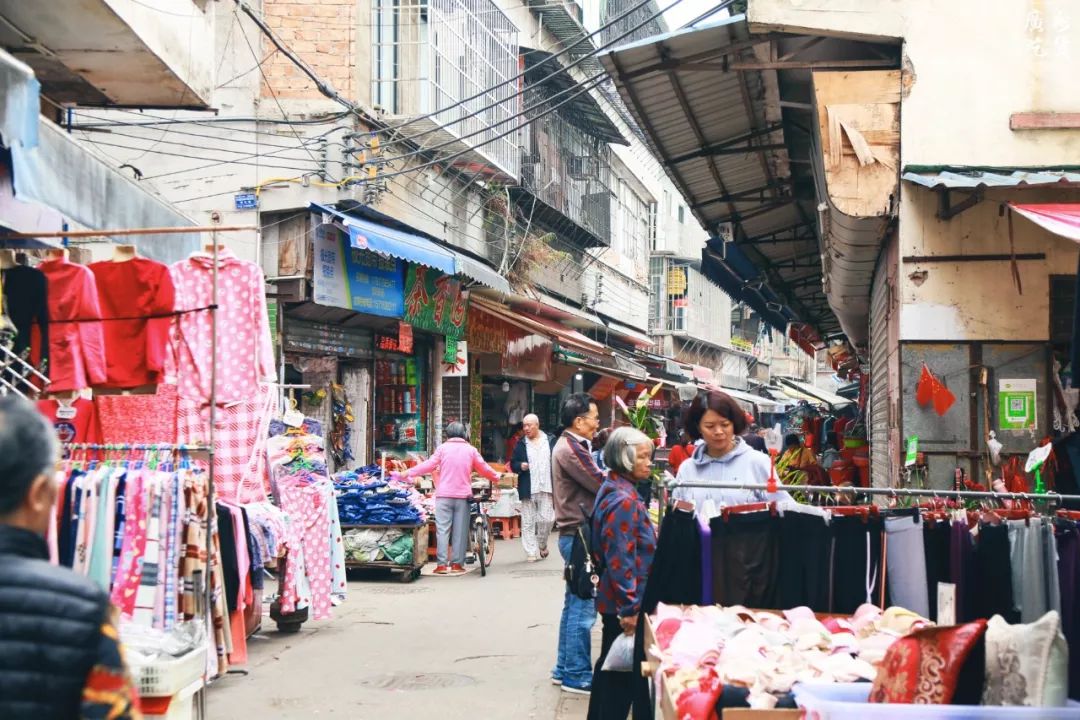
(355, 279)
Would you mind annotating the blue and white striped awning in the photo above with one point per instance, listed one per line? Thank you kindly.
(973, 179)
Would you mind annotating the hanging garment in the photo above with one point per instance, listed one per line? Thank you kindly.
(856, 564)
(1068, 545)
(244, 352)
(76, 350)
(76, 421)
(746, 559)
(135, 349)
(240, 443)
(905, 560)
(146, 419)
(994, 587)
(805, 541)
(936, 536)
(26, 302)
(675, 578)
(308, 509)
(963, 572)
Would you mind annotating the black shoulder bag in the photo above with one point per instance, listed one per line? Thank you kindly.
(586, 564)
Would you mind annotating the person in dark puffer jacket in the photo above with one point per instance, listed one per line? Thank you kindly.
(60, 655)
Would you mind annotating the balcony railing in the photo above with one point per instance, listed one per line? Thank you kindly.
(568, 170)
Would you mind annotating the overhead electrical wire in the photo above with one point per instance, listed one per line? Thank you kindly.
(562, 70)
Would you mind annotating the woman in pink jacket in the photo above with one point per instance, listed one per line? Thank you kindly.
(455, 460)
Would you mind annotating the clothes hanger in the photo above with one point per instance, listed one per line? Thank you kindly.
(726, 512)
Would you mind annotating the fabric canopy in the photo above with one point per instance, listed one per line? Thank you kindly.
(1059, 218)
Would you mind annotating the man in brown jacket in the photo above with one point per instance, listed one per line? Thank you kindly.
(575, 479)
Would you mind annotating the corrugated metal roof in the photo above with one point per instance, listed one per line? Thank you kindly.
(1001, 177)
(707, 125)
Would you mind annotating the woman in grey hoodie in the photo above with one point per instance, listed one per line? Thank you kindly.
(723, 457)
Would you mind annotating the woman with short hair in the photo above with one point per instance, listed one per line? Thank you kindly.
(455, 460)
(723, 457)
(626, 541)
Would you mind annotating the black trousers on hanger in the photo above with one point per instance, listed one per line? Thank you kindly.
(993, 592)
(856, 563)
(936, 551)
(746, 560)
(805, 542)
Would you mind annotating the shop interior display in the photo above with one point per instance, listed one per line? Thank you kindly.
(400, 404)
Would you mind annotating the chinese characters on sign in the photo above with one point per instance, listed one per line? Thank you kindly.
(435, 302)
(487, 333)
(356, 279)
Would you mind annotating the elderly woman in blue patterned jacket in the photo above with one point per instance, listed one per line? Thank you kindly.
(627, 541)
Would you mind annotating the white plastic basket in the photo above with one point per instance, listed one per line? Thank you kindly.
(848, 701)
(182, 706)
(165, 677)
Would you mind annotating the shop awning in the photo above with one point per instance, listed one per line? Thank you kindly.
(637, 337)
(760, 404)
(538, 325)
(1059, 218)
(412, 247)
(962, 178)
(815, 394)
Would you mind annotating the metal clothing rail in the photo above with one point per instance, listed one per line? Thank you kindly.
(126, 446)
(891, 492)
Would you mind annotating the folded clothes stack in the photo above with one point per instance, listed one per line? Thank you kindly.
(364, 499)
(707, 649)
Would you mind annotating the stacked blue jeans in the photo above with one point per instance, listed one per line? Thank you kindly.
(574, 664)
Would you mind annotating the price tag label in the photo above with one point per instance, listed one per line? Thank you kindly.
(293, 418)
(64, 412)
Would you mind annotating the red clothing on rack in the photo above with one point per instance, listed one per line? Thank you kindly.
(135, 349)
(82, 427)
(76, 349)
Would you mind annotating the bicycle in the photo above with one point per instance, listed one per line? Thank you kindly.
(481, 542)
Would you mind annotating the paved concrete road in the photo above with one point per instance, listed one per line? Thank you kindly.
(465, 648)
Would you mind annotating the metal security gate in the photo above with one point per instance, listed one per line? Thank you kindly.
(881, 460)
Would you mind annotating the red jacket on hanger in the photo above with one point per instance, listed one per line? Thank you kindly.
(76, 349)
(134, 349)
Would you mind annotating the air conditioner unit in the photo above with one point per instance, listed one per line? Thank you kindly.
(584, 167)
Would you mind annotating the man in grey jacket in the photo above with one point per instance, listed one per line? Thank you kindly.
(576, 480)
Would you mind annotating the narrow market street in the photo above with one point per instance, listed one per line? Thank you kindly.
(466, 647)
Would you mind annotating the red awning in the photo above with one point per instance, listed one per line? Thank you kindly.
(1059, 218)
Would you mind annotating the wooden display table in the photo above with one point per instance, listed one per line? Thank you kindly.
(666, 700)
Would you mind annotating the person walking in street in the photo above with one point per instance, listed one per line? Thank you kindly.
(455, 460)
(60, 653)
(576, 480)
(627, 542)
(531, 461)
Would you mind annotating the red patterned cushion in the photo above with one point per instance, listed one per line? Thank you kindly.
(934, 665)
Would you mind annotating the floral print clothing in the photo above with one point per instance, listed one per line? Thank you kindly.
(627, 543)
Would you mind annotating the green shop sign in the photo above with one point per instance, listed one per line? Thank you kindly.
(435, 302)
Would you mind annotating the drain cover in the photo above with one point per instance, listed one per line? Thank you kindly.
(414, 681)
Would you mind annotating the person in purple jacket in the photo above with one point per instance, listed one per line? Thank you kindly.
(627, 541)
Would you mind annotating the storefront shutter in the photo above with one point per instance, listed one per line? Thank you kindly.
(881, 462)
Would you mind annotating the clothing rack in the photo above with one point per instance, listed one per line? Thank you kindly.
(124, 446)
(891, 492)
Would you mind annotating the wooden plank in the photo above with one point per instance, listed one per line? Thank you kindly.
(1044, 121)
(859, 123)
